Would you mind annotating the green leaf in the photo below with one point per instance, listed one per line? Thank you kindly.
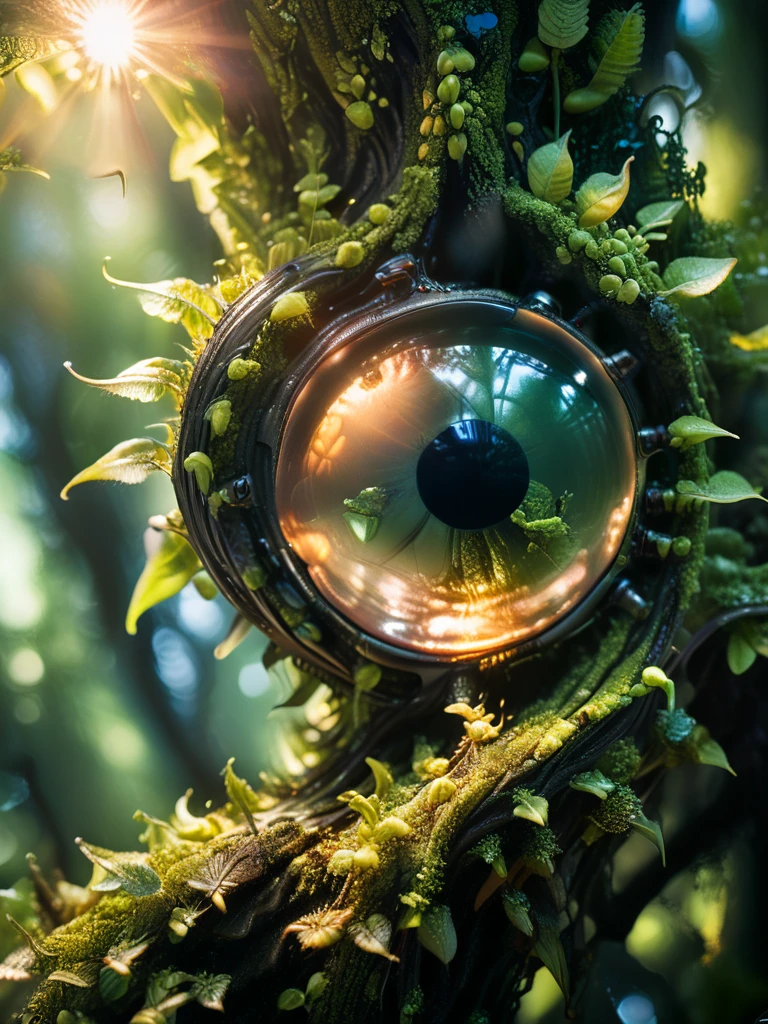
(658, 215)
(179, 301)
(702, 749)
(549, 949)
(550, 171)
(618, 62)
(438, 934)
(533, 808)
(128, 871)
(168, 570)
(534, 57)
(741, 655)
(145, 381)
(242, 795)
(652, 832)
(723, 488)
(382, 775)
(129, 462)
(601, 196)
(563, 23)
(593, 782)
(692, 276)
(687, 431)
(290, 999)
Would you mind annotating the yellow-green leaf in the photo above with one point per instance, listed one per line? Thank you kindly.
(200, 464)
(145, 381)
(129, 871)
(167, 571)
(692, 276)
(756, 341)
(180, 301)
(618, 62)
(689, 430)
(550, 171)
(438, 934)
(289, 305)
(601, 196)
(129, 462)
(563, 23)
(724, 488)
(658, 215)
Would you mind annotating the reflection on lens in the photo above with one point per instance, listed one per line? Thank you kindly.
(458, 478)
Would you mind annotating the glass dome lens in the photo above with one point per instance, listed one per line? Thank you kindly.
(457, 478)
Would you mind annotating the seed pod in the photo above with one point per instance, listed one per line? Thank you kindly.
(457, 115)
(457, 146)
(449, 89)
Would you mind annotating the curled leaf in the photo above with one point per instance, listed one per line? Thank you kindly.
(129, 462)
(145, 381)
(242, 795)
(658, 215)
(601, 196)
(532, 808)
(563, 23)
(550, 171)
(692, 276)
(722, 488)
(687, 431)
(652, 832)
(168, 570)
(618, 62)
(200, 464)
(382, 775)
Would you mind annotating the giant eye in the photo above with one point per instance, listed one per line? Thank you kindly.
(457, 478)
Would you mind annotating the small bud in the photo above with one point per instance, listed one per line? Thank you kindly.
(616, 266)
(341, 862)
(457, 146)
(448, 90)
(515, 128)
(609, 284)
(457, 115)
(654, 676)
(357, 85)
(578, 239)
(290, 305)
(367, 676)
(531, 807)
(391, 828)
(440, 791)
(629, 291)
(563, 255)
(378, 213)
(239, 369)
(199, 464)
(366, 859)
(350, 254)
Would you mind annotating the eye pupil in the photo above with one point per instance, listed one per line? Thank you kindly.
(473, 475)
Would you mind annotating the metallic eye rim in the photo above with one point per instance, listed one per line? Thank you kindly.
(344, 644)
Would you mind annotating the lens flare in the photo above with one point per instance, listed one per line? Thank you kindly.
(108, 35)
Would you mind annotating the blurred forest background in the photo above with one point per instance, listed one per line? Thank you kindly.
(95, 724)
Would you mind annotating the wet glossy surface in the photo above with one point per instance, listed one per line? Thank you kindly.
(350, 503)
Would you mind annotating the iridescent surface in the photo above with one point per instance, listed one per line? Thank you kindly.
(346, 485)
